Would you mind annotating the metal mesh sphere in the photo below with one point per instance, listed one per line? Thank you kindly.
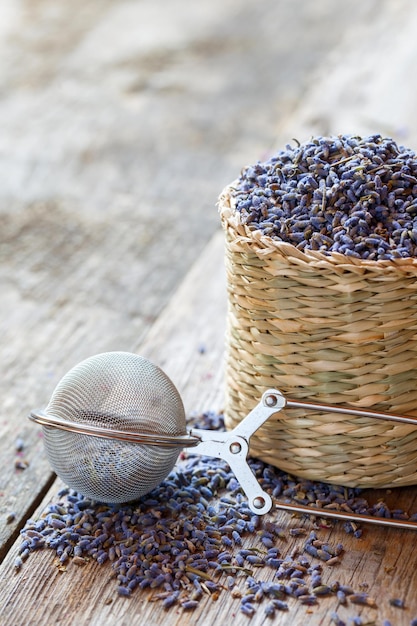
(120, 391)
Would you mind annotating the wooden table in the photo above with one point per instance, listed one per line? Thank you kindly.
(94, 139)
(380, 562)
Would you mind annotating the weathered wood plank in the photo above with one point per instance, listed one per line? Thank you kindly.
(187, 340)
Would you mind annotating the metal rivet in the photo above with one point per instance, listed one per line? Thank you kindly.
(271, 400)
(235, 447)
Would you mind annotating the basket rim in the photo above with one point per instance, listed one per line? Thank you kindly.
(264, 245)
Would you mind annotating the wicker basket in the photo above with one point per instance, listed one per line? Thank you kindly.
(330, 329)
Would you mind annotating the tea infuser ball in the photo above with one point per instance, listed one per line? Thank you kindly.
(117, 391)
(115, 426)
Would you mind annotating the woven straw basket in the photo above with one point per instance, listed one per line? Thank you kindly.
(322, 328)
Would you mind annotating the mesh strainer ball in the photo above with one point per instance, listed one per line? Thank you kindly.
(119, 391)
(115, 426)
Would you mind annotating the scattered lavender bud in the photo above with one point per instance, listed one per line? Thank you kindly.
(248, 598)
(310, 600)
(362, 598)
(21, 464)
(19, 444)
(315, 579)
(341, 596)
(247, 609)
(336, 619)
(302, 590)
(280, 605)
(170, 600)
(253, 559)
(322, 590)
(267, 541)
(189, 605)
(269, 610)
(123, 591)
(18, 562)
(397, 602)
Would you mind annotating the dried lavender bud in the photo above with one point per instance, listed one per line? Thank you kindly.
(19, 444)
(322, 590)
(308, 599)
(397, 602)
(21, 464)
(253, 559)
(269, 610)
(248, 598)
(341, 596)
(123, 591)
(362, 598)
(346, 194)
(336, 619)
(247, 609)
(189, 605)
(170, 599)
(18, 562)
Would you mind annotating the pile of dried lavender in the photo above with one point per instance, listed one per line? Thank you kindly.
(176, 544)
(347, 194)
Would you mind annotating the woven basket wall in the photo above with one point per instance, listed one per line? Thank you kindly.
(320, 328)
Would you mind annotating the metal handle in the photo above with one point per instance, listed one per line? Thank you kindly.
(341, 515)
(150, 439)
(314, 406)
(259, 501)
(363, 518)
(233, 447)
